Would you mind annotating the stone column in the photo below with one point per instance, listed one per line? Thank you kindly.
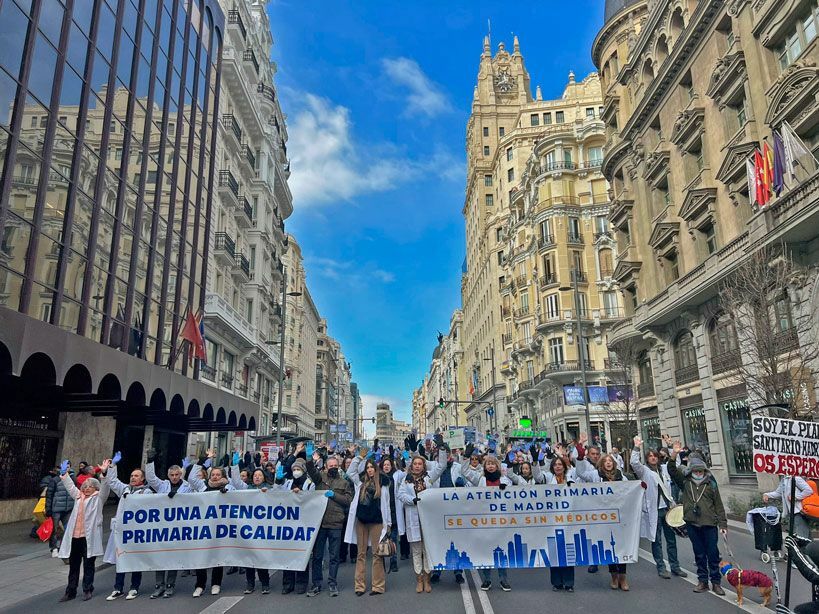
(662, 366)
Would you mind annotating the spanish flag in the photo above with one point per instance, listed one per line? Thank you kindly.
(768, 168)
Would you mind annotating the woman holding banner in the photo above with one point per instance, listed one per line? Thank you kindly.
(297, 580)
(493, 477)
(562, 578)
(258, 481)
(369, 521)
(417, 481)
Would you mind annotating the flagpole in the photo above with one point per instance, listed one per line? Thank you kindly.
(281, 361)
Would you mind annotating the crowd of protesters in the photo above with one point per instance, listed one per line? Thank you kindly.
(373, 495)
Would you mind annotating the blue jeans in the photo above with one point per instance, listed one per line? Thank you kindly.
(562, 577)
(670, 541)
(704, 541)
(333, 539)
(136, 580)
(486, 574)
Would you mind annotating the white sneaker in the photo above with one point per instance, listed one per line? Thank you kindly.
(55, 553)
(132, 594)
(114, 595)
(198, 591)
(215, 589)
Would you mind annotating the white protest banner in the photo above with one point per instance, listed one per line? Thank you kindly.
(532, 526)
(786, 447)
(247, 528)
(454, 437)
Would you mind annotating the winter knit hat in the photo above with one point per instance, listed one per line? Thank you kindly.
(299, 464)
(695, 462)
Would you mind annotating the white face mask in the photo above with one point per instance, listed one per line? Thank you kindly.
(297, 474)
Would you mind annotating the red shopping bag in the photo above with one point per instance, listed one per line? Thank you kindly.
(46, 529)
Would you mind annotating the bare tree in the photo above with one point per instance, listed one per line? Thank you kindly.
(622, 406)
(775, 332)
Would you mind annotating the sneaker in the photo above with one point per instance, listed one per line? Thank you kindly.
(664, 574)
(168, 592)
(197, 592)
(459, 578)
(557, 589)
(249, 589)
(215, 589)
(592, 569)
(55, 553)
(434, 578)
(333, 591)
(132, 594)
(265, 589)
(679, 573)
(160, 590)
(114, 595)
(486, 585)
(505, 586)
(314, 591)
(569, 589)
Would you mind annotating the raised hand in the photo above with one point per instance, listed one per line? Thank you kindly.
(208, 462)
(150, 455)
(584, 438)
(105, 465)
(64, 467)
(470, 448)
(362, 452)
(279, 472)
(211, 453)
(299, 447)
(533, 451)
(117, 458)
(676, 447)
(439, 440)
(375, 443)
(186, 462)
(638, 442)
(235, 458)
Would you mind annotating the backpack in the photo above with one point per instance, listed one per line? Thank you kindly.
(810, 504)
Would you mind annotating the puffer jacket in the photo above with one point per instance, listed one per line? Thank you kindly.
(335, 515)
(705, 497)
(57, 497)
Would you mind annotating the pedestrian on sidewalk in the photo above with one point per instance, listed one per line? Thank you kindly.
(783, 493)
(82, 543)
(704, 516)
(417, 481)
(493, 478)
(258, 481)
(166, 580)
(339, 493)
(136, 486)
(657, 502)
(369, 521)
(58, 507)
(562, 578)
(608, 471)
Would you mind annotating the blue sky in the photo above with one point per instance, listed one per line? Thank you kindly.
(377, 95)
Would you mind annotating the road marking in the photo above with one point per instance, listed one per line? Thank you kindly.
(730, 596)
(482, 596)
(466, 595)
(221, 605)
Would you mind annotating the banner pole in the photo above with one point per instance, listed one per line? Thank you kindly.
(791, 516)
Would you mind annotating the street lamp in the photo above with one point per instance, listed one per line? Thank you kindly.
(494, 416)
(580, 345)
(282, 326)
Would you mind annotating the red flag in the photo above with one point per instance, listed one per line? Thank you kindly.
(767, 160)
(759, 170)
(191, 333)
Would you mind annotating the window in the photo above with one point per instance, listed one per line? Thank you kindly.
(34, 121)
(553, 306)
(559, 117)
(487, 181)
(610, 304)
(534, 119)
(600, 111)
(723, 336)
(510, 175)
(673, 262)
(501, 131)
(783, 318)
(118, 153)
(500, 257)
(113, 126)
(524, 301)
(490, 200)
(556, 351)
(546, 230)
(486, 150)
(595, 156)
(644, 368)
(742, 115)
(601, 224)
(508, 154)
(547, 119)
(527, 333)
(486, 131)
(574, 228)
(249, 310)
(590, 112)
(710, 235)
(684, 353)
(799, 38)
(583, 303)
(63, 119)
(43, 121)
(577, 262)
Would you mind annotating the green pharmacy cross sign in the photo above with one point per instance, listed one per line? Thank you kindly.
(528, 434)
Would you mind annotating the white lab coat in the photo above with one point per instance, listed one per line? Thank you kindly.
(163, 487)
(93, 519)
(118, 488)
(398, 477)
(386, 514)
(651, 498)
(406, 495)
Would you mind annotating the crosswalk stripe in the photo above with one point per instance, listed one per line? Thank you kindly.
(466, 595)
(221, 605)
(482, 596)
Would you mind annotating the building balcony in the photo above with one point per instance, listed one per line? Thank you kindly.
(567, 366)
(610, 364)
(231, 125)
(506, 312)
(591, 165)
(249, 157)
(241, 268)
(545, 241)
(786, 340)
(521, 281)
(208, 372)
(241, 389)
(224, 249)
(228, 187)
(686, 375)
(603, 234)
(506, 338)
(575, 238)
(560, 166)
(728, 361)
(250, 58)
(243, 213)
(548, 281)
(221, 317)
(227, 381)
(645, 389)
(267, 93)
(522, 312)
(235, 19)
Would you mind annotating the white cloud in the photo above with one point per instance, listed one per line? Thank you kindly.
(424, 96)
(401, 410)
(384, 276)
(339, 270)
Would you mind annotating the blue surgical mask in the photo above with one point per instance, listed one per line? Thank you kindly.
(698, 478)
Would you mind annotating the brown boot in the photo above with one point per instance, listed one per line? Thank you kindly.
(427, 583)
(702, 587)
(419, 583)
(615, 581)
(623, 582)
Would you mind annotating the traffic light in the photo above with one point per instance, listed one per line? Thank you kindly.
(441, 402)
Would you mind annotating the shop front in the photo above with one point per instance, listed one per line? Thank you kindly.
(735, 416)
(650, 430)
(695, 428)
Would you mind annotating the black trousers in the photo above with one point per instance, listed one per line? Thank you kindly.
(296, 580)
(405, 547)
(618, 568)
(250, 577)
(215, 577)
(78, 556)
(348, 551)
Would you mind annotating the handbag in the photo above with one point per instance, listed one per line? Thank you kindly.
(46, 529)
(38, 512)
(386, 547)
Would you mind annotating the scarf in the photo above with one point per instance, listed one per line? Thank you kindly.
(299, 482)
(492, 478)
(610, 476)
(217, 484)
(419, 483)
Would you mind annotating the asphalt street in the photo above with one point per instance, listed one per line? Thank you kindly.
(530, 589)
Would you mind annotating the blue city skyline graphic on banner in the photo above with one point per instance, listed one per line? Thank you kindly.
(560, 550)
